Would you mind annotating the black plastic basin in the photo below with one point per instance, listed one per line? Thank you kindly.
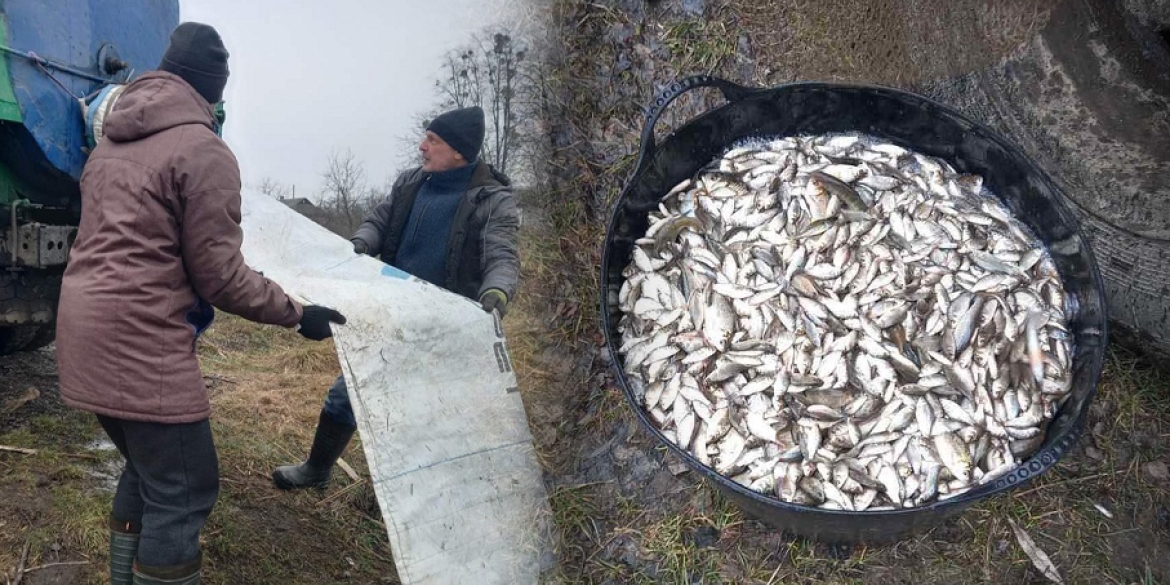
(910, 121)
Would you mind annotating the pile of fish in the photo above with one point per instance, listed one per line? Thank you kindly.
(845, 323)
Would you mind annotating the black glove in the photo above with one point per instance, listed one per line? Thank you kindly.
(494, 299)
(360, 247)
(315, 322)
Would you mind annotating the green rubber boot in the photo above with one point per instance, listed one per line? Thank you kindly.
(123, 549)
(188, 574)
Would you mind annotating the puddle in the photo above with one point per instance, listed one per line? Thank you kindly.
(109, 469)
(101, 443)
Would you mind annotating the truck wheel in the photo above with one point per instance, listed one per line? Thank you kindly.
(1088, 98)
(44, 335)
(28, 309)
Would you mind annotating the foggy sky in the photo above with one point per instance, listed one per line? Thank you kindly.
(310, 78)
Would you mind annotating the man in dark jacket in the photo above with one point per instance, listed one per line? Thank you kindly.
(158, 247)
(452, 222)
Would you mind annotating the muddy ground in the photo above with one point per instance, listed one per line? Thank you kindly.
(29, 383)
(266, 386)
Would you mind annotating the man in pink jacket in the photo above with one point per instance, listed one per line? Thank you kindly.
(158, 247)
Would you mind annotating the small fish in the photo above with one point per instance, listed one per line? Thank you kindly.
(848, 195)
(823, 271)
(812, 487)
(809, 438)
(954, 455)
(718, 322)
(838, 321)
(822, 412)
(1035, 353)
(805, 285)
(991, 263)
(835, 495)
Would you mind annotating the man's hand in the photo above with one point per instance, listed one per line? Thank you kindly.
(494, 299)
(315, 322)
(360, 247)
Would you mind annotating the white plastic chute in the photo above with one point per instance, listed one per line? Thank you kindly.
(442, 424)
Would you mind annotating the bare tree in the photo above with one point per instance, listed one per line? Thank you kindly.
(503, 63)
(409, 156)
(345, 194)
(377, 194)
(462, 84)
(273, 188)
(489, 73)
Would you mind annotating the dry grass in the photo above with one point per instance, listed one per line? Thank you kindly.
(267, 394)
(704, 43)
(266, 385)
(886, 42)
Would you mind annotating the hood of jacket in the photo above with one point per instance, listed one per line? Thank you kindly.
(486, 180)
(491, 175)
(156, 102)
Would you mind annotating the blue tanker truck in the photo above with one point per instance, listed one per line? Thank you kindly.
(62, 64)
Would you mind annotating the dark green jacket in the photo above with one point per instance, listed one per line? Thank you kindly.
(483, 246)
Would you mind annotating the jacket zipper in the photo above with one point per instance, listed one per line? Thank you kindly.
(483, 244)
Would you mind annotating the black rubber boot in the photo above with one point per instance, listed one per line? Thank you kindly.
(328, 444)
(123, 549)
(188, 574)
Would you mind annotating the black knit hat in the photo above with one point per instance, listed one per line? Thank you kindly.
(197, 54)
(462, 129)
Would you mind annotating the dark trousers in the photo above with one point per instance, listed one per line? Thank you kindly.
(337, 404)
(168, 487)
